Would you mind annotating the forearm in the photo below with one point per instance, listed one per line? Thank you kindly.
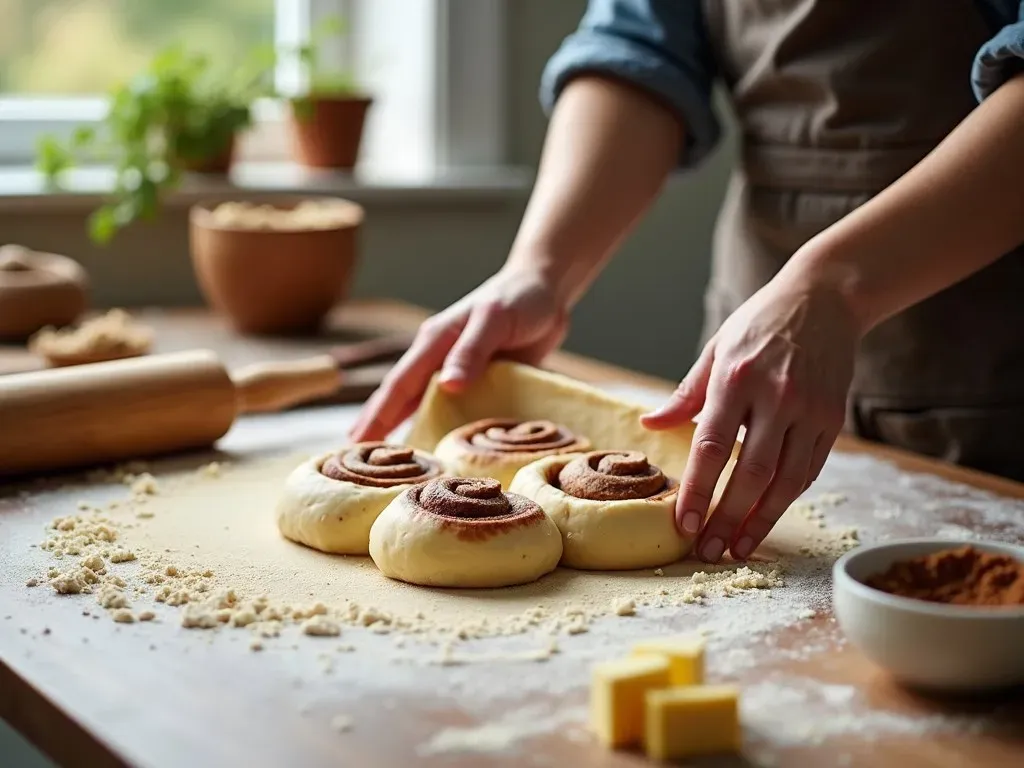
(957, 211)
(608, 151)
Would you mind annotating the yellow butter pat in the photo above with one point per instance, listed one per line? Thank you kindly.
(685, 657)
(692, 720)
(617, 697)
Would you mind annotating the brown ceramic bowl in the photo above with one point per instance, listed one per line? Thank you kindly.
(274, 281)
(38, 289)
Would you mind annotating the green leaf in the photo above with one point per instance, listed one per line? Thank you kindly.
(102, 225)
(52, 158)
(83, 136)
(303, 108)
(180, 108)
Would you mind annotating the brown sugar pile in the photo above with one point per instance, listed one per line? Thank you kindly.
(961, 576)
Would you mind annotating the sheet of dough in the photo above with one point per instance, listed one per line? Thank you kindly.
(520, 391)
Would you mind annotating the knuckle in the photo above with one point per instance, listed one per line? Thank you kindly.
(711, 448)
(490, 308)
(753, 469)
(739, 372)
(432, 327)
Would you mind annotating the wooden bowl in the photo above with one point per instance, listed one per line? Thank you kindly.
(280, 280)
(956, 648)
(38, 289)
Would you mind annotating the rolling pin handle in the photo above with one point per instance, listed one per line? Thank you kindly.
(268, 387)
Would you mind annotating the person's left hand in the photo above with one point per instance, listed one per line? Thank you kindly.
(781, 365)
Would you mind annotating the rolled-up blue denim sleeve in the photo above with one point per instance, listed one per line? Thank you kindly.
(658, 45)
(998, 60)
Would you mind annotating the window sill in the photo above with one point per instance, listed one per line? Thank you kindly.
(25, 188)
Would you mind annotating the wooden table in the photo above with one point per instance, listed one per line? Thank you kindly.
(88, 693)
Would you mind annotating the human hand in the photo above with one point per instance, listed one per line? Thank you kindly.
(781, 365)
(516, 314)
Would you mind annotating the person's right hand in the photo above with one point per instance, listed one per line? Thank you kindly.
(516, 314)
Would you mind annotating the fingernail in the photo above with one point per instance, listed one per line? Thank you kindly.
(450, 376)
(713, 550)
(691, 522)
(743, 548)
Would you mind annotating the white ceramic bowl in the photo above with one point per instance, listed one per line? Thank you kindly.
(924, 644)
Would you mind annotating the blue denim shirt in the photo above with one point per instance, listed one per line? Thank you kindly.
(661, 46)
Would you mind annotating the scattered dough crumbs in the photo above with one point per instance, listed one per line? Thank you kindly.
(123, 616)
(111, 597)
(147, 616)
(70, 584)
(144, 485)
(188, 531)
(212, 470)
(625, 608)
(321, 626)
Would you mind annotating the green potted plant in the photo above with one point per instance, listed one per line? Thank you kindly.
(327, 119)
(180, 114)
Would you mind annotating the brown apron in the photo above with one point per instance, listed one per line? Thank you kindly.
(837, 100)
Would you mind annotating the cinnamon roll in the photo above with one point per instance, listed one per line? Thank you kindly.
(464, 532)
(614, 509)
(498, 448)
(330, 502)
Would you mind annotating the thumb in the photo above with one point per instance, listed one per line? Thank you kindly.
(688, 398)
(480, 339)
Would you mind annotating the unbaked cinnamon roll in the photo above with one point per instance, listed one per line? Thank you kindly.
(499, 448)
(330, 502)
(614, 509)
(464, 532)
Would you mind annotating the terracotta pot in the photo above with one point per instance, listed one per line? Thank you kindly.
(327, 132)
(37, 290)
(274, 281)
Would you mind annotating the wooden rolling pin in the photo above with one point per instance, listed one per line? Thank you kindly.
(112, 411)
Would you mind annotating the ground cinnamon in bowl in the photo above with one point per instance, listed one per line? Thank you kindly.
(961, 576)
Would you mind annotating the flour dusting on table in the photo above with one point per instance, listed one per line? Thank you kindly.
(200, 549)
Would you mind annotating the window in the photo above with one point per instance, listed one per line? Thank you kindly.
(434, 67)
(83, 47)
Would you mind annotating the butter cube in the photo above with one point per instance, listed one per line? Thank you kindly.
(685, 657)
(617, 692)
(693, 720)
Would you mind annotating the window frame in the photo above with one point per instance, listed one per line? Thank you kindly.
(441, 88)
